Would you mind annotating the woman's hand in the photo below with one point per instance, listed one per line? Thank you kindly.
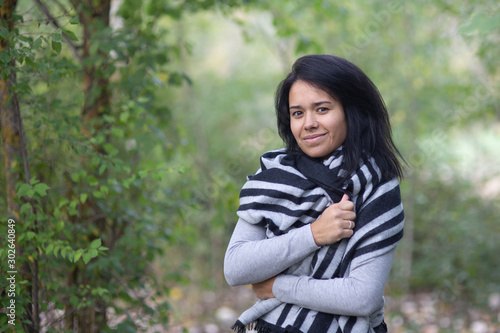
(264, 289)
(335, 223)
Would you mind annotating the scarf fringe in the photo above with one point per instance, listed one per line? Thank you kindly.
(239, 327)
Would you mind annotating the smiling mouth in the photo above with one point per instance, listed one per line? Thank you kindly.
(313, 138)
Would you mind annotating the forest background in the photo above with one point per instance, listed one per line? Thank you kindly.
(128, 128)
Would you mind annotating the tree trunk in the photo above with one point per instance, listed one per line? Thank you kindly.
(94, 16)
(15, 159)
(95, 83)
(11, 134)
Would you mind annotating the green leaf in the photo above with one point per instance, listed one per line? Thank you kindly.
(25, 208)
(59, 225)
(124, 116)
(110, 149)
(117, 132)
(31, 63)
(30, 235)
(74, 300)
(16, 18)
(74, 20)
(93, 48)
(93, 253)
(104, 189)
(25, 190)
(5, 56)
(49, 248)
(56, 46)
(4, 33)
(98, 194)
(83, 197)
(25, 39)
(175, 79)
(102, 168)
(41, 189)
(86, 258)
(95, 243)
(75, 176)
(63, 251)
(71, 35)
(57, 36)
(36, 44)
(63, 202)
(77, 256)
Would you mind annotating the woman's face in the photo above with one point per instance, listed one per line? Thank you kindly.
(317, 120)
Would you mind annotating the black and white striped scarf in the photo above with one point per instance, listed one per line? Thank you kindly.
(292, 190)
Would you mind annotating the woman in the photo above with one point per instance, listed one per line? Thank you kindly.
(332, 196)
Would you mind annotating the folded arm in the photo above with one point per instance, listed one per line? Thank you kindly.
(252, 258)
(359, 294)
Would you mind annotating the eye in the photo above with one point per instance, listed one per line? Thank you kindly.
(322, 109)
(296, 114)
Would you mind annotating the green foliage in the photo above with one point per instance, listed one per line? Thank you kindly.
(92, 216)
(456, 235)
(480, 27)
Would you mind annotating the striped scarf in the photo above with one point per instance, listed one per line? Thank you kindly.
(292, 190)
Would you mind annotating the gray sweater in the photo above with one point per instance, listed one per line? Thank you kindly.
(252, 258)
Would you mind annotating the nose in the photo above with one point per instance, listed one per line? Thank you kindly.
(310, 121)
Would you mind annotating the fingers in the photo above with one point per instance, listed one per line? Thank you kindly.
(264, 289)
(336, 222)
(343, 210)
(347, 215)
(345, 203)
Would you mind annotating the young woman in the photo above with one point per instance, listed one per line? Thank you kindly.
(319, 221)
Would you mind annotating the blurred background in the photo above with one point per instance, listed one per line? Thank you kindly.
(129, 127)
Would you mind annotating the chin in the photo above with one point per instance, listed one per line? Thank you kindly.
(320, 155)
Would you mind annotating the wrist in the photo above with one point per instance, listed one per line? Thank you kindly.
(315, 234)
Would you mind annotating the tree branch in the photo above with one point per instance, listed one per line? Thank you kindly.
(65, 11)
(53, 20)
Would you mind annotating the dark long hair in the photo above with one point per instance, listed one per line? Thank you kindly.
(368, 126)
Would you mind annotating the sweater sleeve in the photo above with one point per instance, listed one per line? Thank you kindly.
(252, 258)
(359, 294)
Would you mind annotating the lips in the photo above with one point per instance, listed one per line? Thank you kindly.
(313, 137)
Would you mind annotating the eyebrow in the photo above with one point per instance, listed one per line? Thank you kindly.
(313, 104)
